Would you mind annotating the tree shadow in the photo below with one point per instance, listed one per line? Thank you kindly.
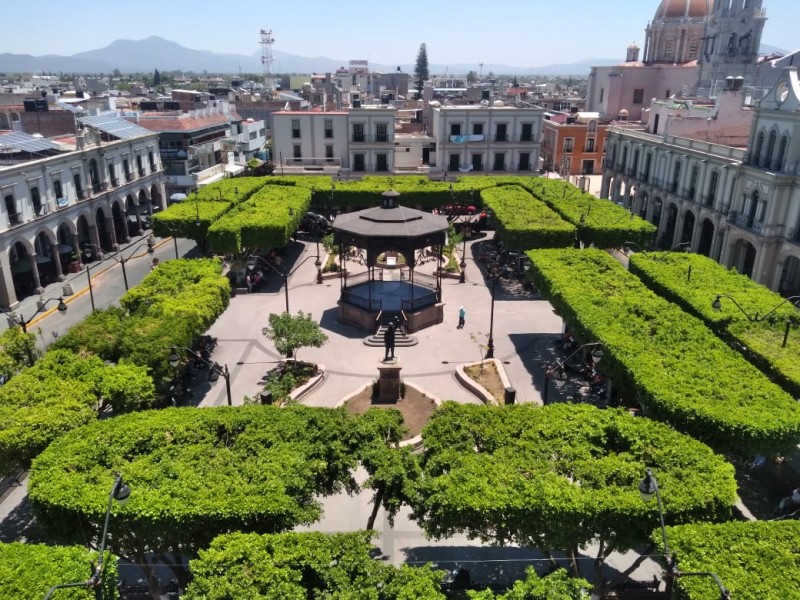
(20, 525)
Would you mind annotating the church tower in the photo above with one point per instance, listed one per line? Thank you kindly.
(731, 43)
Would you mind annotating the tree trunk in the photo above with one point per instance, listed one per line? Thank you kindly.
(149, 572)
(375, 508)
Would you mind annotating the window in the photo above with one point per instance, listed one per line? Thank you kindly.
(638, 96)
(477, 129)
(589, 145)
(602, 93)
(381, 133)
(295, 128)
(647, 160)
(36, 200)
(79, 191)
(253, 135)
(328, 129)
(140, 165)
(501, 136)
(693, 182)
(527, 133)
(14, 218)
(112, 175)
(669, 49)
(592, 127)
(568, 144)
(58, 191)
(524, 161)
(781, 154)
(500, 161)
(358, 133)
(151, 159)
(127, 168)
(692, 49)
(477, 162)
(381, 162)
(328, 151)
(772, 141)
(756, 156)
(455, 128)
(358, 162)
(298, 151)
(712, 188)
(454, 164)
(587, 167)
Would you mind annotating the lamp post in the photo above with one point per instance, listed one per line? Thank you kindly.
(214, 369)
(19, 320)
(648, 488)
(490, 345)
(318, 262)
(717, 306)
(119, 492)
(251, 263)
(558, 372)
(151, 247)
(88, 248)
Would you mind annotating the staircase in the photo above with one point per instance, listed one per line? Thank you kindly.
(401, 339)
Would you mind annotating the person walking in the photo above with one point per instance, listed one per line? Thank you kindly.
(462, 315)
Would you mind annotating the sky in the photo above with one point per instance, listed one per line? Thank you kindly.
(513, 32)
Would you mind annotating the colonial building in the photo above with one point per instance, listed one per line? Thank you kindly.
(65, 194)
(573, 143)
(740, 204)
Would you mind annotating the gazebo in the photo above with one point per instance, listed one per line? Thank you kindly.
(390, 240)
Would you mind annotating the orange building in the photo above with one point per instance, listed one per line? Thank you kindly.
(573, 143)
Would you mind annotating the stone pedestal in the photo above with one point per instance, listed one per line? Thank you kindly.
(389, 380)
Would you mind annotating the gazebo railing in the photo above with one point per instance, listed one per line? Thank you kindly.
(418, 302)
(357, 279)
(428, 281)
(368, 304)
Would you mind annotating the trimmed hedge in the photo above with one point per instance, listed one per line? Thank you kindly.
(693, 281)
(754, 560)
(524, 223)
(601, 223)
(679, 370)
(298, 566)
(28, 571)
(267, 220)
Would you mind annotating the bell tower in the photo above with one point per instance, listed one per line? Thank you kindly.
(731, 43)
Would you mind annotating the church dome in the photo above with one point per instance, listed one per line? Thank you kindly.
(683, 9)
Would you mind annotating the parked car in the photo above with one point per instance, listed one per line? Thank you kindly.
(314, 223)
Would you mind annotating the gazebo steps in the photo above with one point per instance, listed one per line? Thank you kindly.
(401, 340)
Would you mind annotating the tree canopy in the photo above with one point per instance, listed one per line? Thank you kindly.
(556, 586)
(562, 477)
(421, 73)
(289, 333)
(297, 566)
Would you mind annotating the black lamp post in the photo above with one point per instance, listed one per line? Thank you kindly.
(490, 345)
(88, 249)
(717, 306)
(119, 492)
(19, 320)
(648, 488)
(462, 278)
(559, 374)
(251, 264)
(214, 369)
(151, 247)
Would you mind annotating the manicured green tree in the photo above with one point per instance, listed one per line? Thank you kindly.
(753, 560)
(292, 332)
(297, 566)
(562, 477)
(28, 571)
(393, 470)
(421, 69)
(194, 474)
(17, 351)
(556, 586)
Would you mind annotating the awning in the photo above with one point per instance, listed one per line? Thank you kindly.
(234, 169)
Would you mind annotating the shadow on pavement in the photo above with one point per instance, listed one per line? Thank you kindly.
(20, 525)
(329, 321)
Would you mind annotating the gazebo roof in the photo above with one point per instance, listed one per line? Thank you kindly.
(390, 221)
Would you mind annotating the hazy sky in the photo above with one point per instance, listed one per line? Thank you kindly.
(513, 32)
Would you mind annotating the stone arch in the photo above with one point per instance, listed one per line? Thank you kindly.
(641, 204)
(20, 258)
(790, 277)
(118, 217)
(658, 209)
(106, 242)
(132, 215)
(44, 244)
(706, 237)
(665, 241)
(687, 231)
(156, 200)
(14, 117)
(752, 208)
(743, 256)
(143, 203)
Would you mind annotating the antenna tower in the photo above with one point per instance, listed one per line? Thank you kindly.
(267, 60)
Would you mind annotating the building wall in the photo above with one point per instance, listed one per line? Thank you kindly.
(312, 140)
(566, 148)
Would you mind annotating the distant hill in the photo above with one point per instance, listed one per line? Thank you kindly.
(157, 53)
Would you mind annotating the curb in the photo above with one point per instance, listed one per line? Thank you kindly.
(477, 389)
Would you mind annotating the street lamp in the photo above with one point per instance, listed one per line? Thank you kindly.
(19, 320)
(558, 372)
(717, 306)
(214, 369)
(490, 346)
(119, 492)
(151, 247)
(88, 249)
(648, 488)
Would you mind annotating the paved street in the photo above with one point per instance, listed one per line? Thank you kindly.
(525, 330)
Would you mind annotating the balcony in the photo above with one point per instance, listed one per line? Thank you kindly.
(114, 182)
(14, 219)
(98, 187)
(142, 172)
(81, 194)
(128, 177)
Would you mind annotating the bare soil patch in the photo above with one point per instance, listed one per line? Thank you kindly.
(415, 407)
(488, 378)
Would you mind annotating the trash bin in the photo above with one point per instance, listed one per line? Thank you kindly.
(510, 396)
(266, 397)
(66, 289)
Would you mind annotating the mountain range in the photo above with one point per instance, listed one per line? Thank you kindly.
(143, 56)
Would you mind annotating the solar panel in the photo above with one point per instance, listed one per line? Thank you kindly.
(116, 126)
(22, 142)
